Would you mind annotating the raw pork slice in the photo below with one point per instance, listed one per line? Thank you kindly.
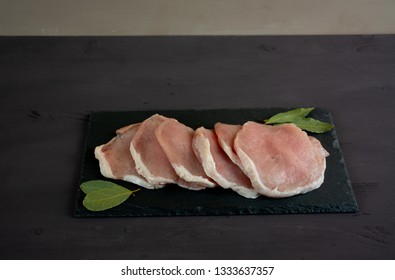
(226, 134)
(281, 160)
(176, 141)
(115, 160)
(218, 165)
(151, 161)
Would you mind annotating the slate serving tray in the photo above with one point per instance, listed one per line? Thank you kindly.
(335, 194)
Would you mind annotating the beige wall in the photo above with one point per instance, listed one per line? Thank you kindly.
(188, 17)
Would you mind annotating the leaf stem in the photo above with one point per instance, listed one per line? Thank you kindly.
(136, 190)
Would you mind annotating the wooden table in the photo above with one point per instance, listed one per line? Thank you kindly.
(48, 86)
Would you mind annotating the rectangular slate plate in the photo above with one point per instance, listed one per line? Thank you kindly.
(335, 194)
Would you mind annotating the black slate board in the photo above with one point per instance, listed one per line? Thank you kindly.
(335, 194)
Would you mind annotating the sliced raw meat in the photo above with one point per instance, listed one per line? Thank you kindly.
(281, 160)
(318, 146)
(218, 165)
(226, 134)
(115, 160)
(151, 161)
(176, 141)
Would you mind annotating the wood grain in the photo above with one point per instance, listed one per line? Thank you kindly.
(49, 85)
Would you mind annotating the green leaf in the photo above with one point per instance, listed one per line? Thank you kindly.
(102, 195)
(289, 116)
(95, 185)
(313, 125)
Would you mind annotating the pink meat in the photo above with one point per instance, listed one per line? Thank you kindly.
(151, 161)
(226, 134)
(176, 141)
(218, 165)
(281, 160)
(115, 160)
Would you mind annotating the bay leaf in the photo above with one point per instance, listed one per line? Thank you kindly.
(95, 185)
(106, 198)
(289, 116)
(313, 125)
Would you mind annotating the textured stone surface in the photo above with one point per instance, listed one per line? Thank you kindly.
(335, 194)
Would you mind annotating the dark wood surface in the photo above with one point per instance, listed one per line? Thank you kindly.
(48, 86)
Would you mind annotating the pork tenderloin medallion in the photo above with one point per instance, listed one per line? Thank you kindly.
(218, 165)
(175, 139)
(115, 160)
(151, 161)
(282, 160)
(226, 134)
